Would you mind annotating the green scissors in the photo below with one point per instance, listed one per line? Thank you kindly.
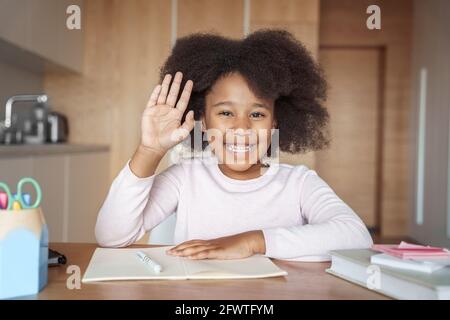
(19, 195)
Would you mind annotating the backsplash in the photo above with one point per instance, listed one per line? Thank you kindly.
(15, 80)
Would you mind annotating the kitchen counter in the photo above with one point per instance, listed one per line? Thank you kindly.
(26, 150)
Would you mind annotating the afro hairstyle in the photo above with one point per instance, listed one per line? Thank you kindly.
(275, 65)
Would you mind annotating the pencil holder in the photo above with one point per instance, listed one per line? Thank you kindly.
(23, 252)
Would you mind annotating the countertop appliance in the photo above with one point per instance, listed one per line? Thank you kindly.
(58, 127)
(37, 126)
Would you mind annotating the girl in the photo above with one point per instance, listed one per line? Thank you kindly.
(232, 204)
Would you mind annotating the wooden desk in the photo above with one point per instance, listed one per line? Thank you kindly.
(304, 281)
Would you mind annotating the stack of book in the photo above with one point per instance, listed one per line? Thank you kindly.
(404, 271)
(411, 257)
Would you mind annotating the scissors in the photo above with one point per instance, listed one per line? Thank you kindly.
(14, 201)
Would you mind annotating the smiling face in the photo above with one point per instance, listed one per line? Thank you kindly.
(238, 124)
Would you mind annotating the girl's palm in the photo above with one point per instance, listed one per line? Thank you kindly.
(161, 121)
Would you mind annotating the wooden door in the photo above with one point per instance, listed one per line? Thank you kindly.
(351, 165)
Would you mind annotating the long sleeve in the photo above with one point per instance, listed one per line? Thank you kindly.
(330, 225)
(135, 205)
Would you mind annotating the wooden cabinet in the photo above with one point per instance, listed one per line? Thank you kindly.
(39, 27)
(13, 28)
(74, 187)
(49, 171)
(87, 177)
(351, 164)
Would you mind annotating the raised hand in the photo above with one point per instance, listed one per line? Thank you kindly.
(161, 126)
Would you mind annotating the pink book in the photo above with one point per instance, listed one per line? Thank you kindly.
(412, 251)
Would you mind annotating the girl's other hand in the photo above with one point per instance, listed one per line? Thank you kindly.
(161, 127)
(238, 246)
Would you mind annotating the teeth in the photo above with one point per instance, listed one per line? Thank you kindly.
(240, 148)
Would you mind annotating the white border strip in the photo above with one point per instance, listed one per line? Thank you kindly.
(421, 146)
(246, 22)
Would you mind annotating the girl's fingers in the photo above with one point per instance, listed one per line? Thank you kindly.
(154, 96)
(184, 99)
(174, 89)
(190, 251)
(205, 254)
(189, 243)
(183, 131)
(164, 89)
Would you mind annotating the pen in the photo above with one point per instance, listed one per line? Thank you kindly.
(151, 263)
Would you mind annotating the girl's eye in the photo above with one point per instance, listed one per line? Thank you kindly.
(257, 115)
(225, 113)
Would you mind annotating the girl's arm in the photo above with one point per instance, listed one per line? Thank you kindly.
(331, 225)
(138, 200)
(135, 205)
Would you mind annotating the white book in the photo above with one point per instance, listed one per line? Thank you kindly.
(124, 264)
(426, 266)
(355, 266)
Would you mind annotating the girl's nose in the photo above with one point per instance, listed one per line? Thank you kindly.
(242, 125)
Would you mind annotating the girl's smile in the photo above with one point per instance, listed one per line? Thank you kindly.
(240, 148)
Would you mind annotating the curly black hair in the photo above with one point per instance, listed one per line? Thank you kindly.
(275, 65)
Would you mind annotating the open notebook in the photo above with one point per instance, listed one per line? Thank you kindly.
(124, 264)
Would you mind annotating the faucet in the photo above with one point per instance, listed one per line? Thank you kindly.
(41, 98)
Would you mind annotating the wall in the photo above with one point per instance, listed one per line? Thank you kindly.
(343, 23)
(17, 80)
(430, 191)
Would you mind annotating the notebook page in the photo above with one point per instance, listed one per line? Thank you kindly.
(123, 264)
(251, 267)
